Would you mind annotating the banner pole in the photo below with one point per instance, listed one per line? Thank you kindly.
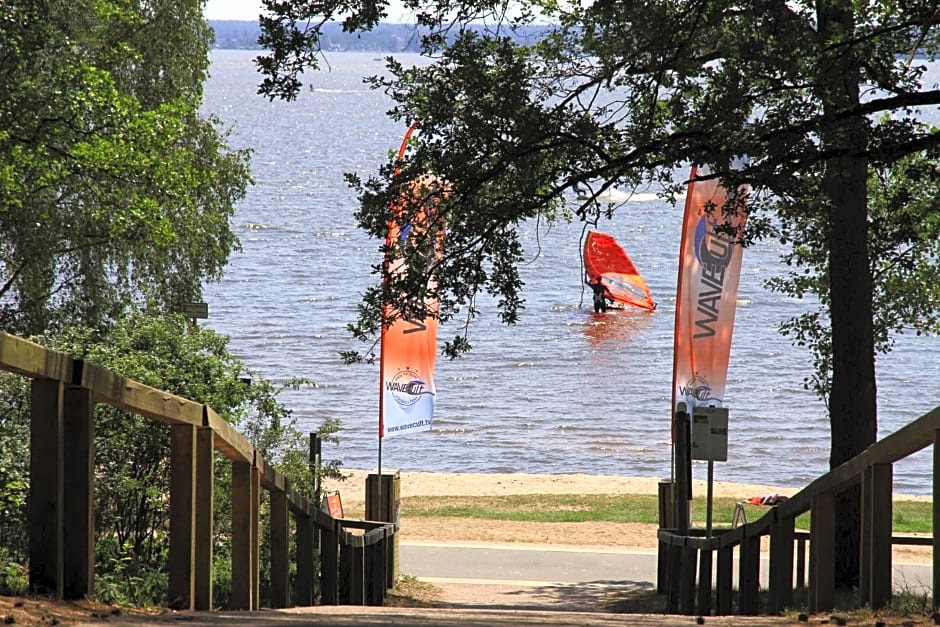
(401, 155)
(379, 491)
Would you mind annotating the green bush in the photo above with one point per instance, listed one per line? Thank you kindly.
(13, 575)
(132, 453)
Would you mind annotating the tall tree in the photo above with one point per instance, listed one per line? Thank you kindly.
(822, 96)
(113, 188)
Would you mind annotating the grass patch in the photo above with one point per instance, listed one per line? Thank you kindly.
(409, 592)
(909, 516)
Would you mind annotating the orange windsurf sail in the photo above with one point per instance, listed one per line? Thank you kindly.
(605, 259)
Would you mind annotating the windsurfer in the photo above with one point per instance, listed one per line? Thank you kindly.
(600, 295)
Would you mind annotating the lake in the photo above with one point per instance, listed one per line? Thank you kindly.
(562, 390)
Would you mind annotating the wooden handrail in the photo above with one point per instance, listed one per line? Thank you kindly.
(33, 360)
(190, 470)
(872, 469)
(136, 398)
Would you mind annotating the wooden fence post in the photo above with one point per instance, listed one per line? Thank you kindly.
(205, 509)
(182, 557)
(256, 534)
(724, 579)
(45, 486)
(781, 563)
(667, 520)
(875, 564)
(705, 582)
(78, 493)
(801, 562)
(280, 561)
(303, 583)
(936, 520)
(749, 574)
(688, 568)
(683, 491)
(244, 536)
(357, 576)
(378, 583)
(329, 566)
(822, 553)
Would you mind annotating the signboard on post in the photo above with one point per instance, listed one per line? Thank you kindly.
(195, 310)
(710, 434)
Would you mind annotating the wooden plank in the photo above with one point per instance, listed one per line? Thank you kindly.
(704, 602)
(271, 479)
(205, 510)
(385, 509)
(882, 483)
(662, 567)
(303, 582)
(781, 564)
(182, 553)
(242, 513)
(902, 443)
(45, 486)
(280, 546)
(329, 567)
(137, 398)
(801, 562)
(357, 576)
(78, 491)
(749, 576)
(724, 579)
(255, 538)
(345, 571)
(228, 440)
(674, 577)
(936, 520)
(688, 571)
(666, 521)
(375, 574)
(683, 488)
(865, 540)
(33, 360)
(822, 554)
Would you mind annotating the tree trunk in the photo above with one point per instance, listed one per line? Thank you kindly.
(852, 400)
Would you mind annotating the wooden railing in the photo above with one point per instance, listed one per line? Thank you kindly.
(686, 572)
(355, 568)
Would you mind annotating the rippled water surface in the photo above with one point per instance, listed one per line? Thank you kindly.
(561, 391)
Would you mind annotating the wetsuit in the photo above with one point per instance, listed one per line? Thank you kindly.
(600, 296)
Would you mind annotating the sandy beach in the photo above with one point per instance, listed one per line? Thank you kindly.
(616, 536)
(477, 484)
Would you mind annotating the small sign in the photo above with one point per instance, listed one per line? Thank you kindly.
(196, 310)
(333, 504)
(710, 433)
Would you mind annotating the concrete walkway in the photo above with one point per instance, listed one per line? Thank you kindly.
(528, 576)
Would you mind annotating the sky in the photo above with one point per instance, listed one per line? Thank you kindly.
(232, 9)
(243, 10)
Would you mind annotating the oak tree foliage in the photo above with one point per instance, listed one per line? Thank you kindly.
(828, 100)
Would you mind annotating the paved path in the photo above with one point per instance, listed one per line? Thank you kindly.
(504, 586)
(565, 577)
(534, 577)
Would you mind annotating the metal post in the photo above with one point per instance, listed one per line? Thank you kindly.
(708, 499)
(314, 462)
